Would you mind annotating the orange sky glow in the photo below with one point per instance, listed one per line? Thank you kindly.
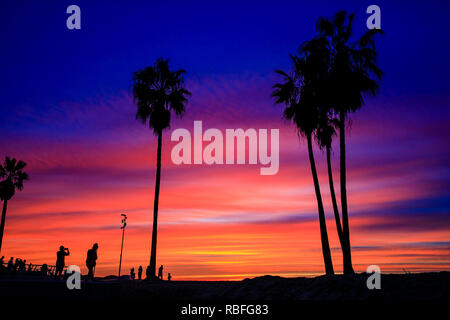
(225, 222)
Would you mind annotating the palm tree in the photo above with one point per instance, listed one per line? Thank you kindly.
(299, 92)
(353, 74)
(11, 172)
(157, 91)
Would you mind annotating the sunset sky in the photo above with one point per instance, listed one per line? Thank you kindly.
(66, 110)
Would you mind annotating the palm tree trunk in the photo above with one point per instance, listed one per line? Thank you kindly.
(2, 226)
(155, 208)
(346, 254)
(333, 198)
(323, 227)
(348, 268)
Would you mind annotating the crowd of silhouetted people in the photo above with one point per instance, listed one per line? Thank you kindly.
(19, 266)
(148, 273)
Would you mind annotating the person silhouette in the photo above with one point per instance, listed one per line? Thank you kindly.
(160, 272)
(140, 273)
(16, 264)
(91, 261)
(22, 265)
(148, 273)
(169, 276)
(132, 274)
(11, 264)
(44, 270)
(2, 262)
(60, 260)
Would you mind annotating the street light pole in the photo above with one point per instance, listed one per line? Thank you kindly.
(124, 224)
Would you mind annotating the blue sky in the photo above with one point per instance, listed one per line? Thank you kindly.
(44, 63)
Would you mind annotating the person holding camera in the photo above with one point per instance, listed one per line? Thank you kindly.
(60, 260)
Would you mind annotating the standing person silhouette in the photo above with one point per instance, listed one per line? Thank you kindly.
(148, 273)
(11, 264)
(16, 264)
(140, 273)
(160, 272)
(23, 264)
(44, 270)
(169, 276)
(91, 261)
(60, 260)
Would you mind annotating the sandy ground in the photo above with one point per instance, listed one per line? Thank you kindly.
(394, 287)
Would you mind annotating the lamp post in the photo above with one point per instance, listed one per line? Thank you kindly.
(124, 224)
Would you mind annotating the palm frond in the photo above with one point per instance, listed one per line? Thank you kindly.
(14, 177)
(157, 90)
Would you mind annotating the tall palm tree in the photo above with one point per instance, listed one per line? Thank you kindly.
(157, 91)
(13, 177)
(299, 92)
(353, 74)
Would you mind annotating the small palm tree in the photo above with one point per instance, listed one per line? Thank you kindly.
(353, 74)
(300, 93)
(13, 177)
(157, 91)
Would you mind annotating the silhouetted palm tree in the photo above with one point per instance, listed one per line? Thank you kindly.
(300, 93)
(353, 74)
(157, 91)
(13, 178)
